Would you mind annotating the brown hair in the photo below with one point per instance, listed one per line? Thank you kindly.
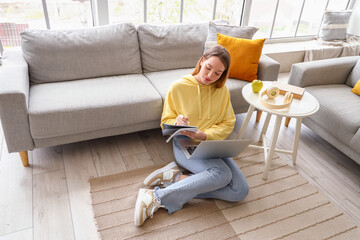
(223, 55)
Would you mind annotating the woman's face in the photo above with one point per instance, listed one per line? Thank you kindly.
(210, 70)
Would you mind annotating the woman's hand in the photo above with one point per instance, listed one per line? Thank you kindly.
(199, 135)
(182, 120)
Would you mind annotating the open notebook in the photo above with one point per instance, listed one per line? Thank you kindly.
(173, 130)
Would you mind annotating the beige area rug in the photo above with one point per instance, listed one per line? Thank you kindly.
(285, 206)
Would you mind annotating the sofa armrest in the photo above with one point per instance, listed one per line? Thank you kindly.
(322, 72)
(355, 141)
(268, 69)
(14, 98)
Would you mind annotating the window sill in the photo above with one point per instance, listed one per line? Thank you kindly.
(272, 48)
(294, 52)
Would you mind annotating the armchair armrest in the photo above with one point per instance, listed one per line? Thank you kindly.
(355, 141)
(268, 69)
(14, 98)
(322, 72)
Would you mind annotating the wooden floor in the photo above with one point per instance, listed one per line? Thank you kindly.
(50, 199)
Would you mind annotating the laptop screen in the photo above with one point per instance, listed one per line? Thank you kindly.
(190, 149)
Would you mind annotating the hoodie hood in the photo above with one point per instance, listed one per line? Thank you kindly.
(201, 88)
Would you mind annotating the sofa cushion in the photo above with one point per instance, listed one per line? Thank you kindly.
(245, 55)
(65, 108)
(55, 55)
(356, 88)
(162, 81)
(354, 75)
(171, 46)
(338, 110)
(228, 30)
(335, 25)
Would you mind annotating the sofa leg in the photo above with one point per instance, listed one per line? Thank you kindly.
(287, 121)
(258, 115)
(24, 158)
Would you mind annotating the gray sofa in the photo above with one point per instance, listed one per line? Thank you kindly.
(69, 86)
(338, 119)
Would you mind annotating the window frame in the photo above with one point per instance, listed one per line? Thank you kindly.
(246, 17)
(100, 13)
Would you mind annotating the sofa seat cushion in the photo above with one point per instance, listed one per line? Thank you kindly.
(162, 81)
(338, 113)
(64, 108)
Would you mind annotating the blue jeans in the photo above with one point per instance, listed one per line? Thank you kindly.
(210, 178)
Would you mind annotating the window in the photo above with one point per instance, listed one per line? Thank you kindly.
(290, 18)
(287, 18)
(229, 10)
(276, 19)
(126, 11)
(69, 14)
(337, 5)
(261, 16)
(17, 16)
(197, 11)
(23, 12)
(311, 17)
(162, 11)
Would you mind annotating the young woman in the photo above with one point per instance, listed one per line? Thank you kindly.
(201, 100)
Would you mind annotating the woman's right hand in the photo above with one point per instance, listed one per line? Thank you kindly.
(182, 120)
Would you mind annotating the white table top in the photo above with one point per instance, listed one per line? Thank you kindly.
(307, 106)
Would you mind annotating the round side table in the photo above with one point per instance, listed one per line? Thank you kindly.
(299, 109)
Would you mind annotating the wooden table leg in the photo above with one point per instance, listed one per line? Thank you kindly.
(287, 121)
(272, 147)
(258, 115)
(246, 121)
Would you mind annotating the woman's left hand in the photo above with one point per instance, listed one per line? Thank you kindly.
(199, 135)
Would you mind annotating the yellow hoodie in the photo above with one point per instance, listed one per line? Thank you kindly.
(208, 107)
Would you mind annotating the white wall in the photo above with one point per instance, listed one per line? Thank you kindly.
(354, 24)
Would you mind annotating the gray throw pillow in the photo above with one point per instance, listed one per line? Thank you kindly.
(335, 25)
(172, 46)
(232, 31)
(64, 55)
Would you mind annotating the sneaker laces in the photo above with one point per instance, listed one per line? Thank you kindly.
(153, 207)
(167, 182)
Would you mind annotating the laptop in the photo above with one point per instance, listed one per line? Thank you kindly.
(213, 149)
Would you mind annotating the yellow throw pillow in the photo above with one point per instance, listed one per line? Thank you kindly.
(245, 55)
(356, 88)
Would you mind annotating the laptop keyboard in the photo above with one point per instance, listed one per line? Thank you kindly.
(190, 149)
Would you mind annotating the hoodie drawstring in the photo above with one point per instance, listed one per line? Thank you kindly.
(209, 113)
(199, 100)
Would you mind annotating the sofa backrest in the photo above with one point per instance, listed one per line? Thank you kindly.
(54, 55)
(354, 75)
(171, 46)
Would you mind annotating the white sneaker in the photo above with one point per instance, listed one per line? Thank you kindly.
(163, 176)
(146, 205)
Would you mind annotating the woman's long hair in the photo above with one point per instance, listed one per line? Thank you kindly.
(223, 55)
